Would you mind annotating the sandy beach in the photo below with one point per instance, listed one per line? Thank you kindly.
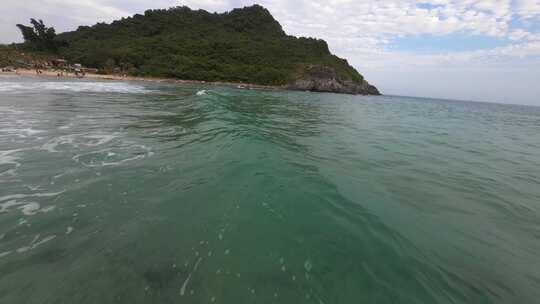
(50, 73)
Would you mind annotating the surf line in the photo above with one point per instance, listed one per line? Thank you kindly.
(183, 289)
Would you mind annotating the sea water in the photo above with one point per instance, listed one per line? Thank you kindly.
(133, 192)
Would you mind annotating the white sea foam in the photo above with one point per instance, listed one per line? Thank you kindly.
(11, 86)
(30, 208)
(4, 207)
(186, 282)
(6, 158)
(23, 249)
(113, 157)
(23, 196)
(78, 141)
(65, 127)
(99, 139)
(73, 86)
(52, 144)
(47, 209)
(21, 132)
(201, 93)
(17, 201)
(33, 188)
(27, 208)
(35, 243)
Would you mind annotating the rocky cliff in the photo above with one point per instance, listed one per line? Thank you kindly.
(319, 78)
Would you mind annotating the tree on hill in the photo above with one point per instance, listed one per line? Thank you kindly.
(38, 36)
(243, 45)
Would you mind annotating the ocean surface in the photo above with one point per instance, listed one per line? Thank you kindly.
(134, 192)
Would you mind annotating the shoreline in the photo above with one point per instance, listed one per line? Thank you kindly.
(51, 74)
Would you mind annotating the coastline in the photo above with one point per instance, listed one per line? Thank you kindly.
(54, 74)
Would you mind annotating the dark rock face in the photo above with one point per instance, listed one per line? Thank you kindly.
(326, 79)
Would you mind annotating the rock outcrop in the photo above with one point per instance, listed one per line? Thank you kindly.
(319, 78)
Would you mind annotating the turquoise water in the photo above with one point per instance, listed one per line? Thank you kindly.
(132, 192)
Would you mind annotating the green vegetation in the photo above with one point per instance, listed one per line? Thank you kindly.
(243, 45)
(39, 37)
(17, 56)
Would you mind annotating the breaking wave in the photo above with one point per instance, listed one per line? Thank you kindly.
(73, 86)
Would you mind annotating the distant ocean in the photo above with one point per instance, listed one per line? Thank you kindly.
(132, 192)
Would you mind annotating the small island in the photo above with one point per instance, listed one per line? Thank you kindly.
(245, 46)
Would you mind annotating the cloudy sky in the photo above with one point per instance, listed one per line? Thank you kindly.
(486, 50)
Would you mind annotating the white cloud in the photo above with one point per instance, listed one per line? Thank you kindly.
(520, 34)
(86, 11)
(527, 8)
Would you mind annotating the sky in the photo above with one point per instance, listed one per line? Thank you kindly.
(483, 50)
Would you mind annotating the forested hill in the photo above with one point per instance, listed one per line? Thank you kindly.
(243, 45)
